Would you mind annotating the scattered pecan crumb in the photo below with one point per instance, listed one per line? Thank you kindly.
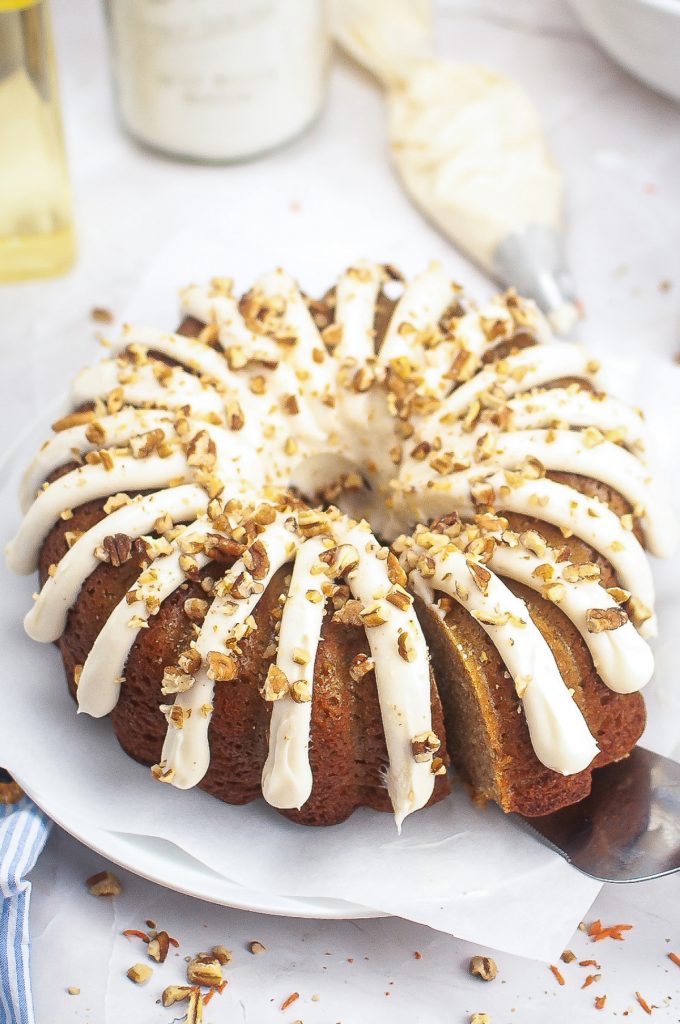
(175, 994)
(222, 955)
(480, 1018)
(568, 956)
(483, 967)
(101, 315)
(256, 947)
(73, 990)
(10, 792)
(158, 947)
(104, 883)
(139, 973)
(418, 955)
(204, 969)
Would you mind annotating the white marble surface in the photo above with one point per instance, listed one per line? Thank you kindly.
(619, 145)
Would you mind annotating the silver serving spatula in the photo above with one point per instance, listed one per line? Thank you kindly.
(628, 829)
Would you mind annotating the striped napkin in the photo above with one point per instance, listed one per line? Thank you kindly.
(23, 831)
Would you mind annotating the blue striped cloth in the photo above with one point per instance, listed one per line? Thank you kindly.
(23, 831)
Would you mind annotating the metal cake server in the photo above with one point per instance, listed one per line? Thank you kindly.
(628, 829)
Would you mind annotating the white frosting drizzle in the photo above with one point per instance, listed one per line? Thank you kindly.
(186, 751)
(296, 417)
(355, 298)
(287, 776)
(85, 484)
(216, 307)
(421, 305)
(622, 659)
(559, 733)
(567, 451)
(529, 368)
(587, 518)
(104, 667)
(59, 450)
(47, 618)
(403, 687)
(580, 408)
(178, 389)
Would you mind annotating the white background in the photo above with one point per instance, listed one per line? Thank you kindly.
(619, 145)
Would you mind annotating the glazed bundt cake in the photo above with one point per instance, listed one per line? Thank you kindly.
(201, 526)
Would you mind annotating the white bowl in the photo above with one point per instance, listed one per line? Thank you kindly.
(642, 35)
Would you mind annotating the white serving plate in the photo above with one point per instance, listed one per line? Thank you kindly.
(164, 863)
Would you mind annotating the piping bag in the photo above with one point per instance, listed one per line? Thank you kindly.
(469, 149)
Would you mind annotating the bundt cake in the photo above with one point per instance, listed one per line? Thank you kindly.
(201, 525)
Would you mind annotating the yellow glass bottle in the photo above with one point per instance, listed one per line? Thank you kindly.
(36, 227)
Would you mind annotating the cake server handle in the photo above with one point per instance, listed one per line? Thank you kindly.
(627, 829)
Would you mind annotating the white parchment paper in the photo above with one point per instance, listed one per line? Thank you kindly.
(470, 872)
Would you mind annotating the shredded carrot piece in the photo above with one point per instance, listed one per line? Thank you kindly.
(558, 974)
(589, 963)
(643, 1003)
(590, 979)
(293, 997)
(173, 942)
(129, 932)
(599, 1002)
(594, 928)
(675, 958)
(613, 932)
(218, 988)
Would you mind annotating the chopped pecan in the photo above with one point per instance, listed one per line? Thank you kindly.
(276, 685)
(424, 745)
(222, 667)
(175, 994)
(480, 575)
(104, 883)
(349, 614)
(201, 451)
(139, 973)
(204, 969)
(158, 947)
(395, 573)
(176, 681)
(256, 560)
(115, 549)
(340, 560)
(600, 619)
(405, 646)
(360, 666)
(483, 967)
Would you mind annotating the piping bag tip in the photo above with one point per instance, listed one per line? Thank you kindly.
(532, 261)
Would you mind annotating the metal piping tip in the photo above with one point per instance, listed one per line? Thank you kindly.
(532, 262)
